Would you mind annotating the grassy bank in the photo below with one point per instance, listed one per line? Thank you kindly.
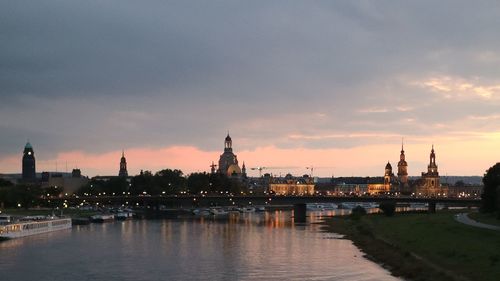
(485, 218)
(425, 246)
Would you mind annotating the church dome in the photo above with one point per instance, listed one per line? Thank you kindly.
(233, 169)
(28, 145)
(388, 166)
(228, 138)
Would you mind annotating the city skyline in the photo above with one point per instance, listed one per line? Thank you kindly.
(100, 160)
(329, 85)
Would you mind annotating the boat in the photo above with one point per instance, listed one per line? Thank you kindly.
(260, 209)
(102, 218)
(124, 216)
(315, 207)
(31, 227)
(246, 209)
(218, 211)
(5, 219)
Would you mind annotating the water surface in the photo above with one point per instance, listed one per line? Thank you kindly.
(255, 246)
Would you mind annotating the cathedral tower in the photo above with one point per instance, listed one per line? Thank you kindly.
(123, 166)
(402, 168)
(29, 172)
(388, 174)
(432, 176)
(228, 162)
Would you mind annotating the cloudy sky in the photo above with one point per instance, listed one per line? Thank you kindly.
(331, 84)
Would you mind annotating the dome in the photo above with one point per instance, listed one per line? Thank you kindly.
(388, 166)
(28, 145)
(228, 138)
(233, 169)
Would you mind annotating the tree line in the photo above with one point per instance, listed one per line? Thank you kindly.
(164, 182)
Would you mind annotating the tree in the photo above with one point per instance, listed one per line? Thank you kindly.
(490, 198)
(24, 196)
(198, 182)
(142, 182)
(389, 208)
(169, 181)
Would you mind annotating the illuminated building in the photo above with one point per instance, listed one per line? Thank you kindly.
(290, 185)
(403, 173)
(430, 185)
(388, 185)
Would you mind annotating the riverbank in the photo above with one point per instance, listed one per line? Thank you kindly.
(485, 218)
(424, 246)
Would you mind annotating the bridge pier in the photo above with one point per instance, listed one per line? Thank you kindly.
(432, 207)
(299, 212)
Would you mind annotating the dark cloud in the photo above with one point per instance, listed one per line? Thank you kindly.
(100, 75)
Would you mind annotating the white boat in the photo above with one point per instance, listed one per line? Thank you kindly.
(315, 207)
(260, 209)
(102, 218)
(218, 211)
(246, 209)
(124, 216)
(5, 219)
(27, 228)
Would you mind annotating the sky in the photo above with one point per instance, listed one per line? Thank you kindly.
(334, 85)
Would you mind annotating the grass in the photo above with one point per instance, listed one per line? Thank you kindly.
(485, 218)
(425, 246)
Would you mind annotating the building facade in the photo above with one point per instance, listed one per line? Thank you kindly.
(28, 164)
(290, 185)
(388, 185)
(430, 185)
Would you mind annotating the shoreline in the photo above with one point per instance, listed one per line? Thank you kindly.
(393, 256)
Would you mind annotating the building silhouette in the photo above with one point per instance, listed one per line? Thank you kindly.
(123, 166)
(404, 187)
(29, 171)
(228, 161)
(430, 185)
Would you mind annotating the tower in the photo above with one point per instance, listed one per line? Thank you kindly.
(228, 162)
(29, 172)
(244, 170)
(228, 144)
(388, 174)
(402, 168)
(123, 166)
(431, 178)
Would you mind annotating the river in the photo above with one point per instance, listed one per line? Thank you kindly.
(253, 246)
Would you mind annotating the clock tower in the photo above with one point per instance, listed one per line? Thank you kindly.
(29, 172)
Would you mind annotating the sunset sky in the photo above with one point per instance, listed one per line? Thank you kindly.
(334, 85)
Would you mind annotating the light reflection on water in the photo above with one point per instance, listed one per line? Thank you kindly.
(254, 246)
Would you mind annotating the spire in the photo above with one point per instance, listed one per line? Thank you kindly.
(123, 153)
(402, 148)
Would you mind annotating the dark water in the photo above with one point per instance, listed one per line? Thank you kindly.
(255, 246)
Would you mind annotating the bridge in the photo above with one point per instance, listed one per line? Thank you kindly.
(188, 201)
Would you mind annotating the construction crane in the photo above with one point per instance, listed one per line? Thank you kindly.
(259, 169)
(271, 168)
